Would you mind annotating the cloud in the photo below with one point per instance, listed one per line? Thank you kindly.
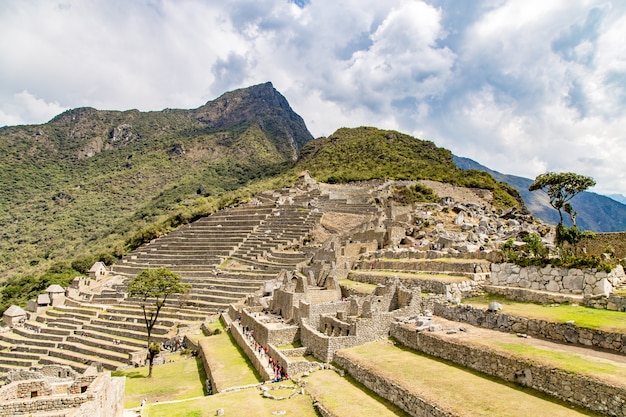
(522, 87)
(26, 107)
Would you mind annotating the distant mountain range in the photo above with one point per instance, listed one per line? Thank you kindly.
(596, 212)
(618, 197)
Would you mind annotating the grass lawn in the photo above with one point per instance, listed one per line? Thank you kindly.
(182, 378)
(587, 317)
(248, 403)
(344, 397)
(569, 362)
(229, 366)
(460, 391)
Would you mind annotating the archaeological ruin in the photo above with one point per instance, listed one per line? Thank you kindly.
(300, 274)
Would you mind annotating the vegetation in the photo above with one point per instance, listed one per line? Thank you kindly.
(414, 194)
(152, 287)
(586, 317)
(367, 153)
(18, 290)
(245, 402)
(180, 378)
(457, 390)
(561, 188)
(347, 397)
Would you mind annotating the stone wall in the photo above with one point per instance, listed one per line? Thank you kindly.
(103, 398)
(553, 279)
(580, 390)
(524, 295)
(557, 332)
(241, 340)
(426, 285)
(391, 391)
(612, 302)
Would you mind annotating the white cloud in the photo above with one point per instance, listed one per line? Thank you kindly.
(520, 86)
(26, 107)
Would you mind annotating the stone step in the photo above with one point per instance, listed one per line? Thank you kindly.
(115, 332)
(19, 340)
(127, 343)
(53, 360)
(110, 354)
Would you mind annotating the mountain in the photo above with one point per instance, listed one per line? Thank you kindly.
(620, 198)
(89, 179)
(595, 212)
(365, 153)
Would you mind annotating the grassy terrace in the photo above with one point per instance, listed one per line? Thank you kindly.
(462, 392)
(179, 379)
(411, 275)
(602, 366)
(229, 365)
(248, 403)
(344, 397)
(586, 317)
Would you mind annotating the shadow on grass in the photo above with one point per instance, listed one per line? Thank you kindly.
(243, 355)
(386, 403)
(131, 375)
(202, 375)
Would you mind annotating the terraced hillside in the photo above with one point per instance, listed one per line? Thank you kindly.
(225, 257)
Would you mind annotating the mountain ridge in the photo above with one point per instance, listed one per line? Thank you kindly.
(596, 212)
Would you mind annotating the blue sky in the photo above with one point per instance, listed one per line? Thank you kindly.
(522, 86)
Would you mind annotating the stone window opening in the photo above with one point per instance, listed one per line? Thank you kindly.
(33, 394)
(83, 389)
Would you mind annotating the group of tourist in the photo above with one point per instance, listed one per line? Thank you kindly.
(261, 351)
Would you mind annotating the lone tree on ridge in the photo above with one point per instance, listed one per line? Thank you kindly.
(561, 188)
(152, 287)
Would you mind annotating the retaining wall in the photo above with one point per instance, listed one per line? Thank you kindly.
(561, 280)
(557, 332)
(391, 391)
(581, 390)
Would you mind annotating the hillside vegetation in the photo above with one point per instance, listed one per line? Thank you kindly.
(366, 153)
(92, 185)
(88, 180)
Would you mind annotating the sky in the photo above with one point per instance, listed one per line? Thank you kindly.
(521, 86)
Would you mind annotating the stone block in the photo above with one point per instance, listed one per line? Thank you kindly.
(573, 282)
(553, 286)
(603, 287)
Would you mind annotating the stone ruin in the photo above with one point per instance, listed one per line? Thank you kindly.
(54, 390)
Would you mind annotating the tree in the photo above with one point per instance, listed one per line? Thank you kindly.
(561, 188)
(153, 287)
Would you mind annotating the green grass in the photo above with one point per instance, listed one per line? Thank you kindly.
(462, 392)
(585, 317)
(248, 403)
(182, 378)
(567, 361)
(229, 366)
(345, 397)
